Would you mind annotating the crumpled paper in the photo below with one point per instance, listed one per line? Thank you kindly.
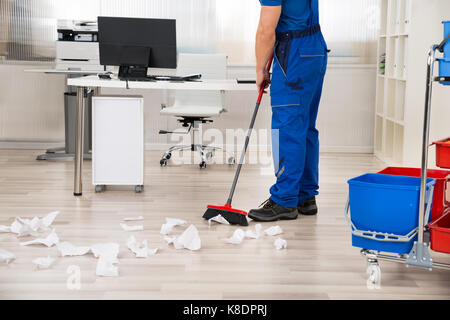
(280, 244)
(140, 218)
(25, 227)
(254, 234)
(49, 241)
(5, 229)
(22, 230)
(43, 263)
(218, 219)
(273, 231)
(68, 249)
(6, 256)
(171, 223)
(107, 254)
(141, 250)
(126, 227)
(170, 240)
(190, 240)
(237, 238)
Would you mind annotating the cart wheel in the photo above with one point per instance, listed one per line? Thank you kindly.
(231, 161)
(163, 162)
(374, 272)
(98, 189)
(202, 165)
(168, 156)
(139, 189)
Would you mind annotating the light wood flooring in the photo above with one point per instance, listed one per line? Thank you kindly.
(320, 262)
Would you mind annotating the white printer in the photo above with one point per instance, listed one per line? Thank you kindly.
(77, 46)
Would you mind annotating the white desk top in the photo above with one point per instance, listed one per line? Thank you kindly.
(226, 85)
(59, 71)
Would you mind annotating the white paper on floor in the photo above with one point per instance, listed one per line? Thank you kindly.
(280, 244)
(254, 234)
(68, 249)
(37, 224)
(22, 230)
(170, 240)
(218, 219)
(171, 223)
(5, 229)
(107, 254)
(43, 263)
(141, 250)
(273, 231)
(6, 256)
(140, 218)
(190, 240)
(237, 238)
(49, 241)
(126, 227)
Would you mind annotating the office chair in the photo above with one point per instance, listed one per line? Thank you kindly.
(196, 107)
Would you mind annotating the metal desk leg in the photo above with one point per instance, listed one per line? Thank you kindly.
(81, 108)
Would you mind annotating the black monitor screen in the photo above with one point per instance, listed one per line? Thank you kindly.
(137, 42)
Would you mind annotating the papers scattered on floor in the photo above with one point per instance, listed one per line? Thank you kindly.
(43, 263)
(5, 229)
(237, 238)
(140, 218)
(141, 250)
(6, 256)
(190, 240)
(25, 227)
(107, 254)
(280, 244)
(49, 241)
(68, 249)
(126, 227)
(219, 219)
(22, 230)
(273, 231)
(171, 223)
(254, 234)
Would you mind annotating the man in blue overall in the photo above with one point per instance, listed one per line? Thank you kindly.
(290, 29)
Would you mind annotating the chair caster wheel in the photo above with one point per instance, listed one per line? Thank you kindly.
(231, 161)
(98, 189)
(163, 163)
(209, 156)
(168, 156)
(139, 189)
(202, 165)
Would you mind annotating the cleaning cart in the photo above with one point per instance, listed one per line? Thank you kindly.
(403, 227)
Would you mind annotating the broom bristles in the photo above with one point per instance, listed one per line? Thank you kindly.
(233, 218)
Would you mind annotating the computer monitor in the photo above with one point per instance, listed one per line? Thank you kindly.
(136, 44)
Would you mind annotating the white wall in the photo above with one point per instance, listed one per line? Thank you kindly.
(31, 109)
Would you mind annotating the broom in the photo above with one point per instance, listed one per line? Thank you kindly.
(235, 216)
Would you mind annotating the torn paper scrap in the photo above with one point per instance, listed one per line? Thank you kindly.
(237, 238)
(273, 231)
(5, 229)
(280, 244)
(170, 240)
(43, 263)
(68, 249)
(6, 256)
(126, 227)
(190, 240)
(140, 218)
(254, 234)
(37, 224)
(106, 250)
(49, 241)
(140, 249)
(218, 219)
(171, 223)
(22, 230)
(106, 267)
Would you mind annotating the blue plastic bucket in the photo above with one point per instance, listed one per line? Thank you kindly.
(447, 46)
(444, 70)
(387, 204)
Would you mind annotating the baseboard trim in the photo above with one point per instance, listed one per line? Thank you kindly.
(27, 145)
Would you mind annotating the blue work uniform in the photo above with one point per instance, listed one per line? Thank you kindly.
(297, 78)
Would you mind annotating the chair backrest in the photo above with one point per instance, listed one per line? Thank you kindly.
(210, 66)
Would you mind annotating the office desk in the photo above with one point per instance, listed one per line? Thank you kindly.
(92, 83)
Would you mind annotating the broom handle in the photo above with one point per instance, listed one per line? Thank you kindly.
(249, 133)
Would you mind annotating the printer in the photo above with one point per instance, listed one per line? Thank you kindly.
(77, 46)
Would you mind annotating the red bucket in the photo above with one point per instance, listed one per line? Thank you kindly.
(440, 233)
(441, 198)
(443, 153)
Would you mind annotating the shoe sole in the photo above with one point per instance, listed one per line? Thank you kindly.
(282, 216)
(308, 213)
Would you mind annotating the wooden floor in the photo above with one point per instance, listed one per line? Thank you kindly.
(320, 262)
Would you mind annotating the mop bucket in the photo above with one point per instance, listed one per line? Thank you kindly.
(440, 233)
(444, 63)
(385, 211)
(443, 153)
(441, 198)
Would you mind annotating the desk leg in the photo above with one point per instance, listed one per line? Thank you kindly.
(81, 109)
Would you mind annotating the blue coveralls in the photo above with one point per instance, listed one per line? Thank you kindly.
(298, 72)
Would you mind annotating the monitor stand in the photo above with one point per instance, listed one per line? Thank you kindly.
(132, 73)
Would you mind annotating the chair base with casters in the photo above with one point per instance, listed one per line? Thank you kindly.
(205, 151)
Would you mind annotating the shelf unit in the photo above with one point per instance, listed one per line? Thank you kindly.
(392, 80)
